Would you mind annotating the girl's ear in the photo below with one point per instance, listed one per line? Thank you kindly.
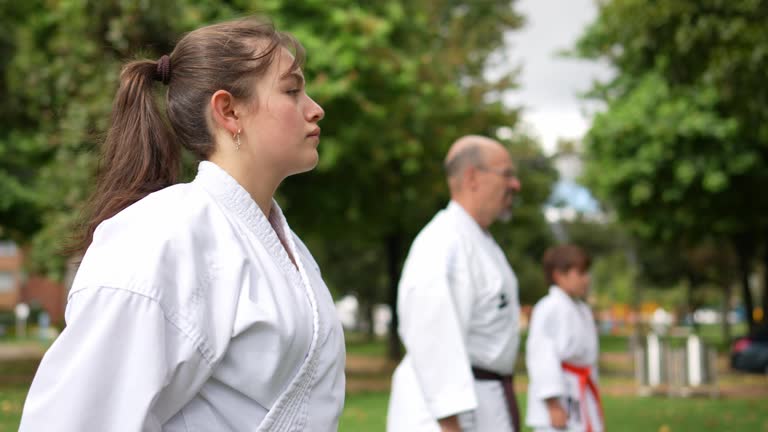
(223, 111)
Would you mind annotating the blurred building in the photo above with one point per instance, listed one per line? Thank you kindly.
(38, 292)
(10, 275)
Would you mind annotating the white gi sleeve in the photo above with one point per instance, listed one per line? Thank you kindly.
(433, 325)
(119, 365)
(541, 356)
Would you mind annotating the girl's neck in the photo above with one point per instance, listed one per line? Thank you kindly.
(259, 184)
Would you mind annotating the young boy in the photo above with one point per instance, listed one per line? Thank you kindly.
(562, 349)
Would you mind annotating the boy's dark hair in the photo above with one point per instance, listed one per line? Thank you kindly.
(564, 258)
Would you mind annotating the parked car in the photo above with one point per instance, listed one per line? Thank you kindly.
(750, 353)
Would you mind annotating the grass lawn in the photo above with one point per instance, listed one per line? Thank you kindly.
(360, 344)
(367, 412)
(11, 402)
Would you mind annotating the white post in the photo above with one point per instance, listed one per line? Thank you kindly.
(694, 360)
(654, 360)
(22, 313)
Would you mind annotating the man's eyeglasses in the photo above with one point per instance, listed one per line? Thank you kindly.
(507, 173)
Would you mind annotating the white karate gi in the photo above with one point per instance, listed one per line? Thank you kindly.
(458, 308)
(187, 315)
(561, 330)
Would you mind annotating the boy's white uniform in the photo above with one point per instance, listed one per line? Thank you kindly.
(458, 308)
(562, 331)
(188, 314)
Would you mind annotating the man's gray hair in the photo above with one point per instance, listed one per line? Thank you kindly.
(470, 156)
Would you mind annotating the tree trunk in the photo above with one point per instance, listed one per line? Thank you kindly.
(725, 309)
(744, 253)
(368, 314)
(765, 285)
(394, 242)
(689, 303)
(637, 297)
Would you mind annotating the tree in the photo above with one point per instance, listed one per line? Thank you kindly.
(20, 151)
(381, 172)
(61, 61)
(399, 81)
(682, 147)
(527, 235)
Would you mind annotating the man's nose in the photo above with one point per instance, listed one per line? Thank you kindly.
(514, 184)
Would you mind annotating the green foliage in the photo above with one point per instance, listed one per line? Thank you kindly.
(670, 168)
(527, 235)
(413, 83)
(398, 84)
(613, 279)
(681, 152)
(597, 238)
(60, 63)
(682, 147)
(399, 81)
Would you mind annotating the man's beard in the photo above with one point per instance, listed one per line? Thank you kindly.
(505, 215)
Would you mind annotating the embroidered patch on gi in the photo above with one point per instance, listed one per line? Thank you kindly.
(503, 300)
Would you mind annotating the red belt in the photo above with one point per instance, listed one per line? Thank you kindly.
(509, 392)
(585, 382)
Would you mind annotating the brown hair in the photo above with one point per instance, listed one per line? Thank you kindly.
(563, 258)
(141, 153)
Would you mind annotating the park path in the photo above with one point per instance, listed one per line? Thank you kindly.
(21, 351)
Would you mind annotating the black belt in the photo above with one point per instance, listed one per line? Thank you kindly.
(507, 382)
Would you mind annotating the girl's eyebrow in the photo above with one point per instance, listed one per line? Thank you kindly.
(294, 75)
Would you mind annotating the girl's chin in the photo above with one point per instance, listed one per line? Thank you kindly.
(309, 163)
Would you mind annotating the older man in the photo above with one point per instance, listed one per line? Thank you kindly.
(458, 305)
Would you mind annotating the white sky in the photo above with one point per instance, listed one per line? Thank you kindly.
(549, 83)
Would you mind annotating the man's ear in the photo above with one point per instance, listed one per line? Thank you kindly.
(223, 111)
(471, 177)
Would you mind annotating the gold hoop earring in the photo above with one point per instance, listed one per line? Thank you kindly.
(236, 137)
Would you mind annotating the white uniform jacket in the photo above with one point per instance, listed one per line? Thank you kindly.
(458, 307)
(562, 329)
(187, 314)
